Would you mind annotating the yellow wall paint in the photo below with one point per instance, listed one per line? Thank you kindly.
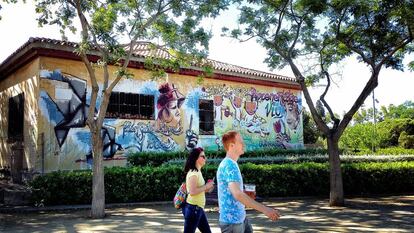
(24, 80)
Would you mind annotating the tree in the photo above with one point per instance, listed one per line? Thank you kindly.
(405, 110)
(379, 33)
(103, 24)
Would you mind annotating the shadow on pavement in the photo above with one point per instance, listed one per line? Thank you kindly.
(382, 214)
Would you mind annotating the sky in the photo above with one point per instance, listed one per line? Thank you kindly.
(395, 87)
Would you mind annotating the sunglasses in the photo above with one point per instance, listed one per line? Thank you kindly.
(203, 156)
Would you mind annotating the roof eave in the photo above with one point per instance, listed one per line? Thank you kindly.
(54, 48)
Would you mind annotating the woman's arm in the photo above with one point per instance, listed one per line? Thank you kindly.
(194, 189)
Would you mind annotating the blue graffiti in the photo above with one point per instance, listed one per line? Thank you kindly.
(49, 108)
(72, 113)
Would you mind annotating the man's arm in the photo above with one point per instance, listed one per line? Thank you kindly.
(247, 201)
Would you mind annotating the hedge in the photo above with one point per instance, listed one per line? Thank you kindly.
(308, 158)
(156, 159)
(138, 184)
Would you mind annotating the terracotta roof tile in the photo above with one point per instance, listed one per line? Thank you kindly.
(143, 49)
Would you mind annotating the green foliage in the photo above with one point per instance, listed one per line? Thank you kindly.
(392, 129)
(310, 130)
(63, 188)
(411, 66)
(388, 133)
(378, 178)
(319, 158)
(157, 159)
(406, 141)
(361, 136)
(395, 151)
(323, 33)
(405, 110)
(137, 184)
(108, 24)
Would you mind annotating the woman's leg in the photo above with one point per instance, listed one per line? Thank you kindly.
(191, 218)
(203, 225)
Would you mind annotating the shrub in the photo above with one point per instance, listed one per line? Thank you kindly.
(156, 159)
(137, 184)
(406, 141)
(307, 158)
(63, 187)
(395, 151)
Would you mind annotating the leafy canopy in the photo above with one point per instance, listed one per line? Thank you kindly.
(327, 31)
(173, 26)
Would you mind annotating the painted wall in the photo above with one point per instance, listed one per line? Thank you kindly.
(265, 116)
(24, 80)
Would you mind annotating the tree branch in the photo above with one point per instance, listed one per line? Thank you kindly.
(369, 87)
(296, 37)
(322, 97)
(401, 45)
(301, 80)
(95, 87)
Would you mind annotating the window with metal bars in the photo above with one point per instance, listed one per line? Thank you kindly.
(206, 114)
(130, 106)
(16, 117)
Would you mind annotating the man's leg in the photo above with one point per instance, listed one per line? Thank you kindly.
(247, 226)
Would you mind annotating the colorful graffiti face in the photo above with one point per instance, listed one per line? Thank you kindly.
(218, 100)
(292, 116)
(290, 102)
(237, 102)
(250, 107)
(168, 104)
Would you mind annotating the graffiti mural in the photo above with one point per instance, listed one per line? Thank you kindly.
(68, 110)
(70, 103)
(265, 117)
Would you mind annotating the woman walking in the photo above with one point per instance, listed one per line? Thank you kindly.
(193, 210)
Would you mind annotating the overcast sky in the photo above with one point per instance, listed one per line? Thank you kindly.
(395, 87)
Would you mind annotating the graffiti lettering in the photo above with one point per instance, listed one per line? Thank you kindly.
(273, 109)
(146, 137)
(257, 96)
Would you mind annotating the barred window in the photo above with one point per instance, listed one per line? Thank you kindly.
(206, 108)
(130, 106)
(16, 117)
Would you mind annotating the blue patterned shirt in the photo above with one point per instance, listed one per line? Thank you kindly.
(231, 210)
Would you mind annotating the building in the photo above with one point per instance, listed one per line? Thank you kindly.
(45, 91)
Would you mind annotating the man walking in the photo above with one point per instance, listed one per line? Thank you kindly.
(232, 199)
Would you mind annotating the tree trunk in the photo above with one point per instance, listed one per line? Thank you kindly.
(336, 195)
(98, 185)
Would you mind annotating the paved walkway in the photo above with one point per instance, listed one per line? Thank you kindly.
(381, 214)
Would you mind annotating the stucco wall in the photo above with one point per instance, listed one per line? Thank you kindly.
(265, 116)
(24, 80)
